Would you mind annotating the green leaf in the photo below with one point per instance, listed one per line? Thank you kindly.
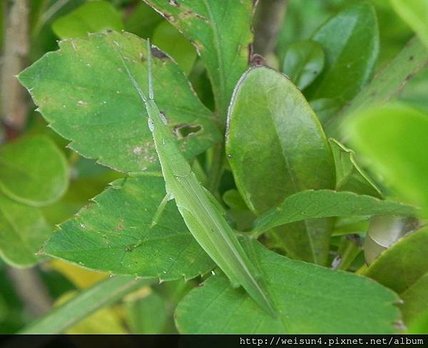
(91, 17)
(309, 299)
(118, 233)
(82, 305)
(148, 315)
(420, 324)
(23, 230)
(325, 203)
(275, 144)
(303, 62)
(143, 20)
(415, 300)
(169, 40)
(221, 33)
(415, 14)
(391, 138)
(351, 43)
(33, 171)
(325, 107)
(407, 258)
(87, 97)
(271, 130)
(386, 85)
(349, 175)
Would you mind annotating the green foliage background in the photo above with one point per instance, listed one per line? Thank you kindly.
(303, 152)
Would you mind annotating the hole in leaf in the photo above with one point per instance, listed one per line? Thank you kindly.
(185, 130)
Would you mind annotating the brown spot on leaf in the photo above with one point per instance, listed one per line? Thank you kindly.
(156, 52)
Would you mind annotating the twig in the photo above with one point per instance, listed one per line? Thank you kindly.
(31, 290)
(269, 18)
(15, 51)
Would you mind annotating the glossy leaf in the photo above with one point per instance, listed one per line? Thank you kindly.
(86, 96)
(275, 144)
(271, 130)
(350, 41)
(169, 40)
(115, 234)
(325, 203)
(349, 175)
(90, 17)
(309, 299)
(303, 62)
(386, 85)
(33, 171)
(415, 300)
(415, 14)
(23, 230)
(221, 33)
(407, 257)
(391, 139)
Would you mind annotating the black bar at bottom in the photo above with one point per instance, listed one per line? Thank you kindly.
(208, 341)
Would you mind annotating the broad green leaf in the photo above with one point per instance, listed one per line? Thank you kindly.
(407, 258)
(169, 40)
(33, 171)
(415, 14)
(350, 41)
(87, 97)
(415, 299)
(84, 304)
(308, 298)
(313, 204)
(392, 138)
(221, 33)
(303, 62)
(275, 144)
(272, 130)
(118, 233)
(90, 17)
(386, 85)
(23, 230)
(349, 175)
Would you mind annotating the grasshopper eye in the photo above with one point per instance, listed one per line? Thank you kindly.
(384, 231)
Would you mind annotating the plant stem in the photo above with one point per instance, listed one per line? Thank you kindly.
(31, 290)
(15, 51)
(269, 18)
(84, 304)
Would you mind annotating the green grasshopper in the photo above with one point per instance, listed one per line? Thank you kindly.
(198, 207)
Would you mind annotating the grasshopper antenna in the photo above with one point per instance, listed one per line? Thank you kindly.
(149, 65)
